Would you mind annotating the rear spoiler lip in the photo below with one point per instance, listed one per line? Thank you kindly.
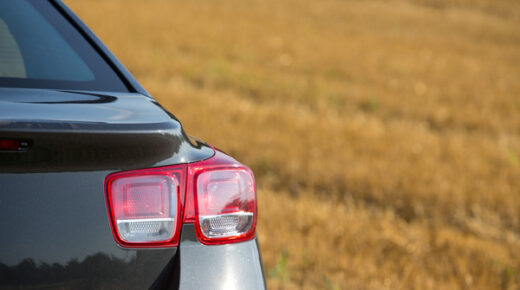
(66, 126)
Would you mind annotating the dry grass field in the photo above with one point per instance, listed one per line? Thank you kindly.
(384, 135)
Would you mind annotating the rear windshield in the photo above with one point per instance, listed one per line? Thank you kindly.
(39, 48)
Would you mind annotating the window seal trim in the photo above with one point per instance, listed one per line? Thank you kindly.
(126, 77)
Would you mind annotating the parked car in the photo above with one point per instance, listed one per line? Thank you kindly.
(100, 186)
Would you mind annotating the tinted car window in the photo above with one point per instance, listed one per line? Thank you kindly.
(39, 48)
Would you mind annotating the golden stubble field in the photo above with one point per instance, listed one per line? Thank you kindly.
(384, 135)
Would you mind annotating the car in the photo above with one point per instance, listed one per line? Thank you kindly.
(100, 186)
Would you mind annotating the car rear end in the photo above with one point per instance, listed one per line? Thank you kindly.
(100, 187)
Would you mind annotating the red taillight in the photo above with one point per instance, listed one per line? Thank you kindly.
(146, 206)
(226, 205)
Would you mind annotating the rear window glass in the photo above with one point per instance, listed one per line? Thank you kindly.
(39, 48)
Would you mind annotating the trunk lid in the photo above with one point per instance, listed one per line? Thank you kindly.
(56, 230)
(78, 131)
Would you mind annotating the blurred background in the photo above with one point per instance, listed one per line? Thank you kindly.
(384, 135)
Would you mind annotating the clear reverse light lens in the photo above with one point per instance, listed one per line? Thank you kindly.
(226, 225)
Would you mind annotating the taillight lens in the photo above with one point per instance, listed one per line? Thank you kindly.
(226, 204)
(147, 207)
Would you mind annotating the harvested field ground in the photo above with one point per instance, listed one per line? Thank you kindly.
(384, 135)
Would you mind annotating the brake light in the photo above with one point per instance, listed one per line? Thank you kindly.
(226, 205)
(14, 145)
(9, 144)
(147, 207)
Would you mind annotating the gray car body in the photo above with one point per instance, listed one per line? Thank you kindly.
(56, 231)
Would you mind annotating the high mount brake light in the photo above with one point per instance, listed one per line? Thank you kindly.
(147, 207)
